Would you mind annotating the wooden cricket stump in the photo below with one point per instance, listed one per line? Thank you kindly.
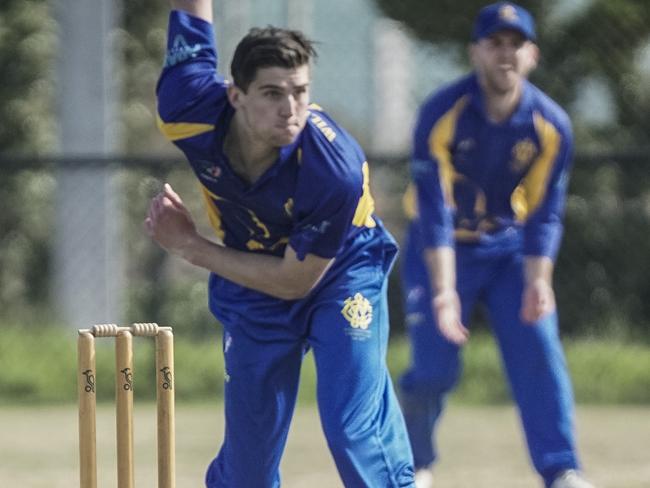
(164, 339)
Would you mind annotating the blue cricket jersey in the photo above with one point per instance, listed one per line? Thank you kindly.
(475, 180)
(315, 197)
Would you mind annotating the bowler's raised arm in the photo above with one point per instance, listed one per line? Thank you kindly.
(197, 8)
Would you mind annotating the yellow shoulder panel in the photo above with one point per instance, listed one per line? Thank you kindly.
(410, 202)
(175, 131)
(528, 195)
(440, 138)
(213, 212)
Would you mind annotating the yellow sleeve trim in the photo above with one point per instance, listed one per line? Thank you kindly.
(410, 202)
(175, 131)
(440, 139)
(213, 212)
(365, 208)
(529, 194)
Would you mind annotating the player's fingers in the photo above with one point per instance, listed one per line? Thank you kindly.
(455, 332)
(546, 307)
(148, 226)
(167, 203)
(527, 314)
(153, 216)
(155, 207)
(176, 200)
(532, 311)
(464, 330)
(151, 212)
(462, 334)
(172, 195)
(457, 337)
(148, 216)
(162, 204)
(529, 306)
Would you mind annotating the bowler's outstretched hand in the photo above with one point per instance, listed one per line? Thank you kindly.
(169, 222)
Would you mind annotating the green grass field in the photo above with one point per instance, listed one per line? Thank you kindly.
(39, 367)
(481, 444)
(481, 447)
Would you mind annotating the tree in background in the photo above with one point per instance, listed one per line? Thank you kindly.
(152, 295)
(606, 42)
(28, 56)
(27, 46)
(603, 40)
(143, 41)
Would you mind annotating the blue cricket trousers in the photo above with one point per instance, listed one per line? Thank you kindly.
(532, 354)
(345, 324)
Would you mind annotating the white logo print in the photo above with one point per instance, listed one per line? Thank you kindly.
(180, 51)
(227, 343)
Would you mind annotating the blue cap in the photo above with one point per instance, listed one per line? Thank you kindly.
(503, 16)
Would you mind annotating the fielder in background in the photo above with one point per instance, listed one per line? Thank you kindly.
(490, 169)
(301, 259)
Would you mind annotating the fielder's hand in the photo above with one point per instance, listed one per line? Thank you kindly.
(446, 309)
(537, 302)
(169, 222)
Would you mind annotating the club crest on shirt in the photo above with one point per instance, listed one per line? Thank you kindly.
(357, 310)
(523, 153)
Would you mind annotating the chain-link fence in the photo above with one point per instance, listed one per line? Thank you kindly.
(602, 274)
